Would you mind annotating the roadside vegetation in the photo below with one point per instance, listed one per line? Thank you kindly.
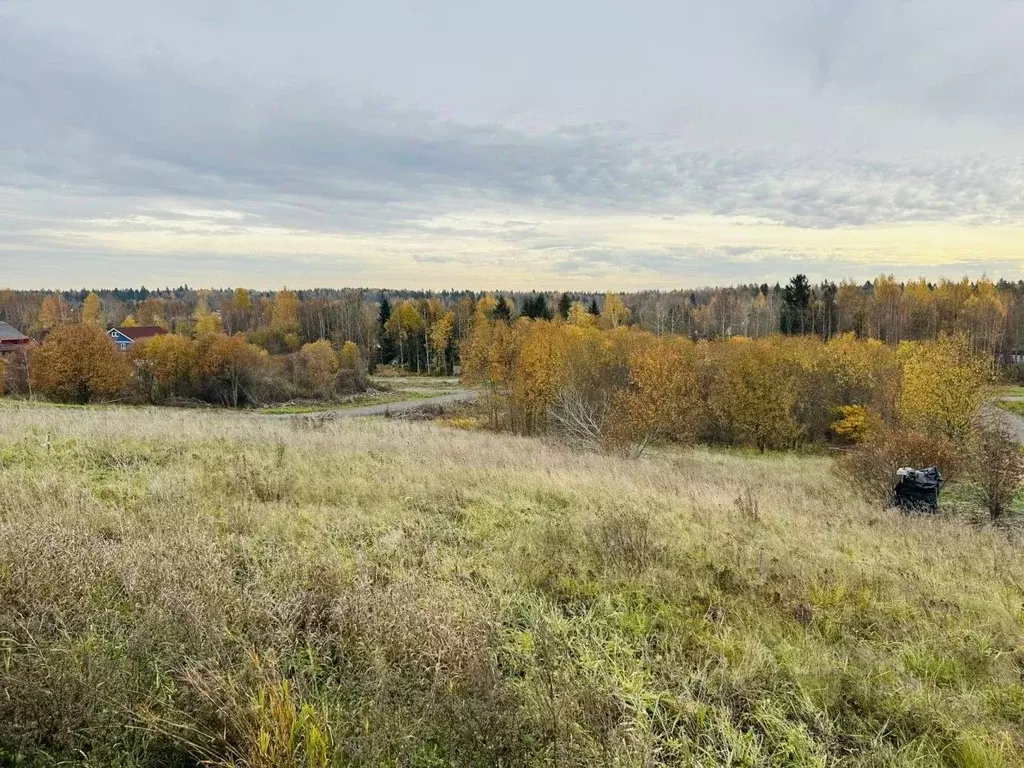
(1014, 407)
(185, 587)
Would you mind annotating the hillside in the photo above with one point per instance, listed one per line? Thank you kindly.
(179, 586)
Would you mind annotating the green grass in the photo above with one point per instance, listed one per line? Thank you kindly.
(1008, 390)
(180, 587)
(1012, 406)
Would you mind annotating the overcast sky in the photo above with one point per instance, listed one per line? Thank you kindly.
(585, 144)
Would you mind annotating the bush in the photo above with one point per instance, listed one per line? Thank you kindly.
(872, 466)
(998, 466)
(856, 424)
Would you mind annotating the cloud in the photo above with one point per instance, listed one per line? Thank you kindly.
(181, 148)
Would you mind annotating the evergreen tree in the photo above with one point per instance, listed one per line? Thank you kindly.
(535, 307)
(796, 305)
(502, 310)
(564, 303)
(593, 308)
(387, 344)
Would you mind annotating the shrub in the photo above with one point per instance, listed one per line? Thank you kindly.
(872, 466)
(856, 424)
(998, 466)
(320, 364)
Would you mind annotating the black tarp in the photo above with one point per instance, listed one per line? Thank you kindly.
(917, 490)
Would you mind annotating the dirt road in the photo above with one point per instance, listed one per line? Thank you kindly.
(1013, 422)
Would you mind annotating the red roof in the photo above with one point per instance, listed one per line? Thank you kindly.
(142, 331)
(11, 336)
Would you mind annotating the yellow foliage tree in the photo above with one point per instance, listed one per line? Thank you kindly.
(350, 358)
(580, 316)
(942, 387)
(755, 393)
(321, 365)
(440, 338)
(857, 423)
(166, 365)
(285, 312)
(53, 312)
(614, 313)
(230, 367)
(207, 322)
(92, 310)
(403, 326)
(664, 395)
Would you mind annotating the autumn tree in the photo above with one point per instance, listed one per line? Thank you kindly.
(92, 310)
(152, 311)
(664, 398)
(207, 322)
(53, 312)
(321, 365)
(404, 326)
(165, 366)
(231, 369)
(942, 387)
(441, 337)
(349, 357)
(755, 392)
(285, 312)
(77, 363)
(614, 313)
(580, 316)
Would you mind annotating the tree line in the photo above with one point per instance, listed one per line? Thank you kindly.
(424, 331)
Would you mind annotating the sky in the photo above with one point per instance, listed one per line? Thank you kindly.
(555, 144)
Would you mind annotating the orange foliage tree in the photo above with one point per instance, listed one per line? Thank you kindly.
(78, 363)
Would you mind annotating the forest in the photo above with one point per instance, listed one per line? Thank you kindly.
(269, 356)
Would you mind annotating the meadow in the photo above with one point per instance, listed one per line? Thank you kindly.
(185, 587)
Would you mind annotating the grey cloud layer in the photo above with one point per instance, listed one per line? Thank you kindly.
(91, 134)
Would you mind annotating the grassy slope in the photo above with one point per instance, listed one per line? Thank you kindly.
(376, 592)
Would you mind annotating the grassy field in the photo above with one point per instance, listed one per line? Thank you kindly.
(1008, 390)
(186, 586)
(1012, 406)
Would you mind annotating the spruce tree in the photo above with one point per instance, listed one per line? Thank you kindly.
(564, 304)
(387, 345)
(502, 310)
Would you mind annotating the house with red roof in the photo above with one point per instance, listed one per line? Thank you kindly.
(11, 338)
(125, 337)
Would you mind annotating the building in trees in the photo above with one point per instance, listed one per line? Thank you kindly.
(125, 336)
(11, 339)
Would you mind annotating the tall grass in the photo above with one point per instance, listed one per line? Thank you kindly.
(180, 588)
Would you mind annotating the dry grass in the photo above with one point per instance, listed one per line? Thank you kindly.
(178, 587)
